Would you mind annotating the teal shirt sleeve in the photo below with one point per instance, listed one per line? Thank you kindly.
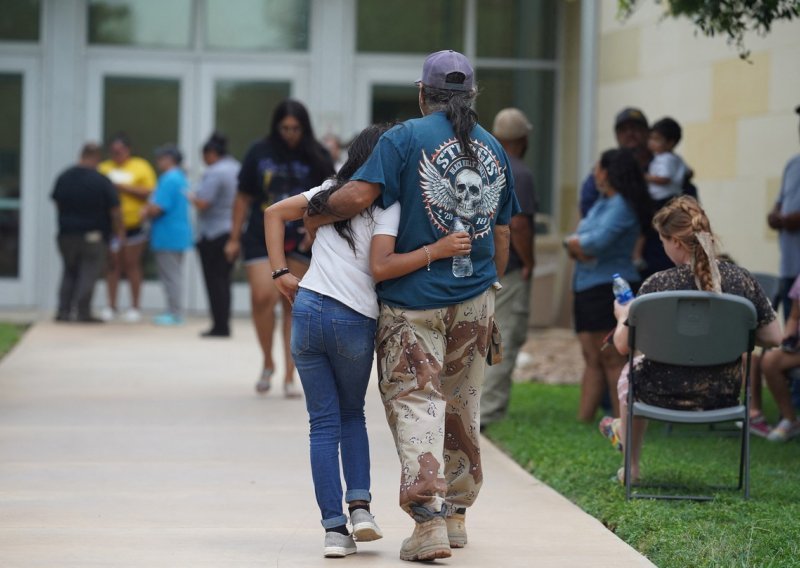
(162, 196)
(386, 164)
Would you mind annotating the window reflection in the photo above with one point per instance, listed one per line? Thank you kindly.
(410, 26)
(243, 110)
(146, 23)
(533, 92)
(394, 103)
(20, 20)
(517, 28)
(10, 160)
(257, 24)
(147, 111)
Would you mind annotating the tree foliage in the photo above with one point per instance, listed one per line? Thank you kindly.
(732, 18)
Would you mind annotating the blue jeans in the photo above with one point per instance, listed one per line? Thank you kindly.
(333, 347)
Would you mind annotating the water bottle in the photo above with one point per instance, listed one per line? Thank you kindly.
(622, 290)
(462, 265)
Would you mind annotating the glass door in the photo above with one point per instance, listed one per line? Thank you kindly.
(19, 183)
(238, 101)
(386, 93)
(149, 102)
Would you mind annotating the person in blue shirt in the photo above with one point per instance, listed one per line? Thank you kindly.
(171, 231)
(449, 175)
(603, 245)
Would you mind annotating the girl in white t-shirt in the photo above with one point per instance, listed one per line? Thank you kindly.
(334, 314)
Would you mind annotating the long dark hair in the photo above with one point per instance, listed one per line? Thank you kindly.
(309, 149)
(626, 178)
(457, 106)
(357, 153)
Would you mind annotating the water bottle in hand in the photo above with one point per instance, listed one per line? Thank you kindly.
(622, 290)
(462, 265)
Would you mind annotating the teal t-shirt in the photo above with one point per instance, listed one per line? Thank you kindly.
(419, 163)
(171, 231)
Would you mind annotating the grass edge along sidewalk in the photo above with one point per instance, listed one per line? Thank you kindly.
(542, 434)
(10, 333)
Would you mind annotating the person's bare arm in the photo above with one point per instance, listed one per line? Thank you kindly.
(502, 242)
(658, 180)
(621, 331)
(386, 264)
(349, 200)
(200, 204)
(151, 211)
(240, 206)
(573, 245)
(770, 335)
(522, 239)
(139, 192)
(275, 218)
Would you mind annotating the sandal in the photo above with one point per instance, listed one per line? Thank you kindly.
(609, 427)
(290, 390)
(621, 476)
(265, 382)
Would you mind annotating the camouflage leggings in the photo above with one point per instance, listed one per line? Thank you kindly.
(431, 365)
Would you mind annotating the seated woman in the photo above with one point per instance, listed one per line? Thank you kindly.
(334, 316)
(776, 365)
(688, 241)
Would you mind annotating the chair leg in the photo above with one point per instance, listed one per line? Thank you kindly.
(628, 452)
(746, 458)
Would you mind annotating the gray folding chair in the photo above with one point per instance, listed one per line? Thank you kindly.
(694, 329)
(771, 285)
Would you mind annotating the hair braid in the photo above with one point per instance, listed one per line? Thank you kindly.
(684, 219)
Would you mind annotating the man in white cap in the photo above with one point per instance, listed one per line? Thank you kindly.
(449, 175)
(511, 308)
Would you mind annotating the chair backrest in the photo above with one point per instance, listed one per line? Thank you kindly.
(692, 328)
(770, 283)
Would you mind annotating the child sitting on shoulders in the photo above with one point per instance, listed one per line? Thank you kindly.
(667, 172)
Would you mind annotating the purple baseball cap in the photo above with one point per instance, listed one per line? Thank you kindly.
(439, 65)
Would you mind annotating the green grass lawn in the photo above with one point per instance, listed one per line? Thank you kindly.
(543, 435)
(9, 335)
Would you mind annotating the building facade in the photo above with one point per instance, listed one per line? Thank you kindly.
(73, 71)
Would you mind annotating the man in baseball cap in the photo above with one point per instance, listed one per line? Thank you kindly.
(511, 128)
(450, 177)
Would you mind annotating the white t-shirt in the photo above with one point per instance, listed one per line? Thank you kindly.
(338, 272)
(667, 165)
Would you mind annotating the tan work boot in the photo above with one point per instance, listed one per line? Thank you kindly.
(427, 542)
(456, 530)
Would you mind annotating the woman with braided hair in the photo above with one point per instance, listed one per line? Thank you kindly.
(603, 245)
(689, 242)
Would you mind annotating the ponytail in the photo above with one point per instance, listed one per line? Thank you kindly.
(684, 219)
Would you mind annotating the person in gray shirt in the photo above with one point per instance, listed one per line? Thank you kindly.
(214, 202)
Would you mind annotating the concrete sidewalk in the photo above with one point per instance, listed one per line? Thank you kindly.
(141, 446)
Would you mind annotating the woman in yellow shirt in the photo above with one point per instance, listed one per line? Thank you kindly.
(135, 180)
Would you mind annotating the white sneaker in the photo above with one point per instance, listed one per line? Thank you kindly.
(132, 315)
(107, 314)
(338, 545)
(784, 431)
(365, 528)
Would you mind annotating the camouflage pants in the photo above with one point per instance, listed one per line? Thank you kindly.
(431, 365)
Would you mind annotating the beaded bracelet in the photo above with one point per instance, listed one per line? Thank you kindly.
(280, 272)
(428, 256)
